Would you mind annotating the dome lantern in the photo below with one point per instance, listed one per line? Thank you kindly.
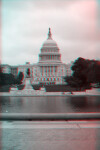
(49, 34)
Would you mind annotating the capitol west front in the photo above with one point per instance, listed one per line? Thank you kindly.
(49, 69)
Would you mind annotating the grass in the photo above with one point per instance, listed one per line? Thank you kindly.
(6, 88)
(49, 88)
(56, 88)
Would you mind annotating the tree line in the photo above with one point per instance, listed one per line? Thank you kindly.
(10, 79)
(85, 72)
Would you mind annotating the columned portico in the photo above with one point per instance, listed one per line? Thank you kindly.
(48, 70)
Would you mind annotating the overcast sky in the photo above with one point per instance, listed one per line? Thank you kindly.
(74, 25)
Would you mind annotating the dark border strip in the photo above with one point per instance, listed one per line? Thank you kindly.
(51, 116)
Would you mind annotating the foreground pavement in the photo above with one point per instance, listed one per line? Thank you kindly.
(50, 135)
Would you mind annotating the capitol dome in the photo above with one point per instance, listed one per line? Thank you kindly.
(49, 51)
(49, 42)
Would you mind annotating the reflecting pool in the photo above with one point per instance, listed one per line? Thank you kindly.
(53, 104)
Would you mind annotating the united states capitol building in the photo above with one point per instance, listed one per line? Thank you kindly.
(49, 70)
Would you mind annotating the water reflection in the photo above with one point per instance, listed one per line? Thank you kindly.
(85, 103)
(78, 103)
(48, 104)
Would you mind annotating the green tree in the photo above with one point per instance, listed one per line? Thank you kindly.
(79, 77)
(20, 77)
(94, 72)
(7, 79)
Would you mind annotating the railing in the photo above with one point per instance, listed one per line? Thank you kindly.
(51, 116)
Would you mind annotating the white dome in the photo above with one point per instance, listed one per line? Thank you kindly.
(49, 51)
(50, 43)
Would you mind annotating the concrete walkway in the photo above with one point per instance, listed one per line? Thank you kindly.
(50, 135)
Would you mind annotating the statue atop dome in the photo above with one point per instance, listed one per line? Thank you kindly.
(49, 34)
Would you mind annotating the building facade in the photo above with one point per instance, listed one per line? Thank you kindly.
(49, 69)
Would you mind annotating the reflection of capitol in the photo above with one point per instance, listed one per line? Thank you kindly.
(49, 69)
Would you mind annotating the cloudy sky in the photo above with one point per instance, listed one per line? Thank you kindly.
(74, 25)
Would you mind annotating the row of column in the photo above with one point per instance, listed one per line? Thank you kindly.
(50, 57)
(49, 50)
(49, 70)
